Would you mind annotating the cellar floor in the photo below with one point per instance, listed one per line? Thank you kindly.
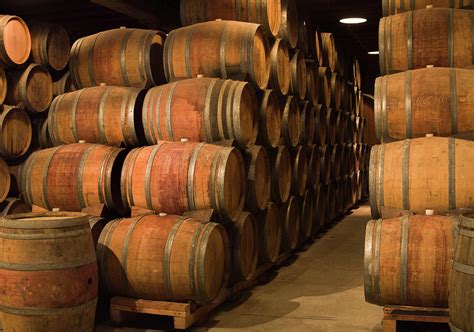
(320, 290)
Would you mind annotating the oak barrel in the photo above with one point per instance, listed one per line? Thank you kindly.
(196, 176)
(329, 51)
(324, 75)
(5, 180)
(164, 258)
(289, 23)
(281, 174)
(257, 165)
(15, 41)
(299, 176)
(415, 39)
(392, 7)
(306, 215)
(269, 124)
(124, 57)
(290, 215)
(50, 45)
(336, 160)
(72, 177)
(422, 173)
(269, 234)
(369, 134)
(244, 241)
(312, 82)
(331, 123)
(15, 132)
(314, 165)
(291, 122)
(356, 77)
(320, 124)
(407, 260)
(225, 49)
(336, 91)
(41, 133)
(307, 123)
(109, 115)
(298, 75)
(330, 191)
(13, 206)
(63, 85)
(201, 110)
(319, 208)
(318, 47)
(267, 13)
(31, 86)
(49, 276)
(280, 71)
(3, 85)
(303, 34)
(325, 163)
(342, 124)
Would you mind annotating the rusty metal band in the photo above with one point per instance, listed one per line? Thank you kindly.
(144, 60)
(73, 115)
(200, 278)
(406, 174)
(392, 8)
(452, 172)
(381, 43)
(123, 56)
(79, 177)
(133, 157)
(221, 115)
(169, 128)
(368, 261)
(30, 311)
(146, 109)
(378, 244)
(103, 250)
(450, 37)
(207, 111)
(466, 232)
(248, 11)
(157, 108)
(167, 257)
(409, 40)
(51, 266)
(408, 104)
(39, 236)
(191, 173)
(192, 259)
(212, 184)
(385, 137)
(454, 100)
(389, 43)
(404, 223)
(149, 165)
(378, 109)
(101, 121)
(463, 268)
(229, 97)
(222, 51)
(187, 53)
(373, 181)
(90, 56)
(467, 222)
(45, 178)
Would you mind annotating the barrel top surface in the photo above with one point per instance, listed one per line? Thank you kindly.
(17, 40)
(234, 184)
(58, 47)
(16, 124)
(44, 220)
(39, 87)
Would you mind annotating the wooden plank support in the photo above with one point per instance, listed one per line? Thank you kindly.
(393, 314)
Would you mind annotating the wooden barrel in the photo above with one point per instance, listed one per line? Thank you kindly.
(97, 225)
(13, 206)
(308, 125)
(257, 165)
(319, 208)
(331, 123)
(303, 36)
(135, 57)
(298, 75)
(335, 91)
(5, 180)
(49, 272)
(291, 122)
(108, 115)
(306, 202)
(15, 132)
(201, 110)
(329, 51)
(281, 174)
(325, 163)
(267, 13)
(336, 151)
(406, 107)
(407, 261)
(369, 136)
(324, 86)
(63, 85)
(406, 40)
(392, 7)
(3, 85)
(31, 86)
(289, 23)
(181, 258)
(196, 176)
(314, 166)
(244, 239)
(15, 41)
(237, 50)
(354, 188)
(341, 126)
(42, 138)
(72, 177)
(339, 197)
(280, 74)
(461, 303)
(320, 124)
(351, 158)
(299, 176)
(269, 124)
(50, 45)
(330, 192)
(312, 82)
(269, 234)
(422, 173)
(290, 213)
(356, 73)
(318, 47)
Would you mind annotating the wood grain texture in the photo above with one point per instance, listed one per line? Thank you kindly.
(281, 174)
(391, 7)
(289, 23)
(280, 70)
(290, 214)
(50, 45)
(298, 75)
(270, 230)
(15, 45)
(269, 128)
(258, 170)
(15, 132)
(291, 121)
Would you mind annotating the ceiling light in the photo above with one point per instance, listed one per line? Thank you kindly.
(353, 20)
(374, 52)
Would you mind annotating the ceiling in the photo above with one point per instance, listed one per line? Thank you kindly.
(83, 17)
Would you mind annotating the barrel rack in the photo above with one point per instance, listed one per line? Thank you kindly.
(393, 314)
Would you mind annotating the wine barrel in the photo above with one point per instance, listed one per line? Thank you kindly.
(407, 107)
(13, 206)
(369, 136)
(31, 86)
(280, 74)
(50, 45)
(325, 163)
(267, 13)
(335, 91)
(49, 272)
(15, 132)
(291, 122)
(336, 151)
(306, 203)
(319, 208)
(5, 180)
(97, 225)
(237, 50)
(299, 176)
(318, 47)
(329, 51)
(303, 36)
(407, 40)
(331, 123)
(3, 85)
(407, 261)
(181, 258)
(124, 57)
(461, 303)
(244, 239)
(101, 114)
(196, 176)
(320, 124)
(269, 234)
(312, 82)
(72, 177)
(298, 75)
(314, 166)
(351, 158)
(342, 124)
(291, 224)
(308, 125)
(15, 41)
(281, 175)
(202, 110)
(324, 86)
(63, 85)
(269, 130)
(42, 139)
(257, 165)
(354, 188)
(356, 73)
(330, 191)
(289, 23)
(392, 7)
(423, 173)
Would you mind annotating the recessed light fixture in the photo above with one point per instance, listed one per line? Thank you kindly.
(353, 20)
(374, 52)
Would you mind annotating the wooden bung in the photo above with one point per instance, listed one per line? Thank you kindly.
(257, 165)
(269, 129)
(269, 234)
(15, 41)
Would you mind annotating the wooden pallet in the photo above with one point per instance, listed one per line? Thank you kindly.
(394, 314)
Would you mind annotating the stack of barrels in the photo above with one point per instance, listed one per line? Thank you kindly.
(423, 119)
